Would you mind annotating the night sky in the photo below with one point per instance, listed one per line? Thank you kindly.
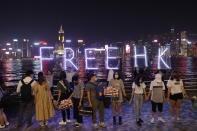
(93, 20)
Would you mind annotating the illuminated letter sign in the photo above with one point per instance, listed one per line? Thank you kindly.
(140, 56)
(89, 58)
(161, 52)
(66, 50)
(110, 57)
(44, 58)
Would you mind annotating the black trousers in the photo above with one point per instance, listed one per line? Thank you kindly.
(77, 117)
(27, 107)
(65, 113)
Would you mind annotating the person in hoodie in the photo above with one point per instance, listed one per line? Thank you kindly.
(157, 93)
(24, 89)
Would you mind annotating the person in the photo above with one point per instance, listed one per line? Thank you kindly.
(64, 92)
(3, 118)
(176, 92)
(69, 74)
(94, 102)
(117, 82)
(138, 92)
(49, 78)
(24, 89)
(157, 93)
(77, 96)
(110, 74)
(43, 100)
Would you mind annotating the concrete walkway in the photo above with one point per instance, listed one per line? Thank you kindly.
(188, 121)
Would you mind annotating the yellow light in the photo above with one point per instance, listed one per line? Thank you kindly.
(59, 38)
(62, 38)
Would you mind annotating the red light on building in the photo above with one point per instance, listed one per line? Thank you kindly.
(43, 43)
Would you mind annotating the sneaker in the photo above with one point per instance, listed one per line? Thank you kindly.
(46, 123)
(29, 125)
(68, 121)
(178, 118)
(7, 123)
(141, 120)
(2, 126)
(78, 125)
(95, 125)
(102, 124)
(161, 120)
(139, 123)
(62, 123)
(152, 121)
(42, 124)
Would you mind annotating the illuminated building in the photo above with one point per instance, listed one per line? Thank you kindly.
(184, 43)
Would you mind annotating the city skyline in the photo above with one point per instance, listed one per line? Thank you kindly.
(93, 21)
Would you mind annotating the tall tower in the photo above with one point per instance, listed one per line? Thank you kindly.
(61, 35)
(184, 43)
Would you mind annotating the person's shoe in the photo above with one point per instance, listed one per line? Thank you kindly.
(78, 125)
(19, 126)
(42, 124)
(46, 123)
(102, 124)
(62, 123)
(139, 123)
(141, 120)
(114, 120)
(178, 119)
(95, 125)
(29, 125)
(2, 126)
(7, 123)
(161, 120)
(120, 120)
(152, 121)
(68, 120)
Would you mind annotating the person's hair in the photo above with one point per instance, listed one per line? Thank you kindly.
(62, 75)
(29, 72)
(41, 78)
(90, 76)
(137, 80)
(75, 78)
(119, 76)
(175, 75)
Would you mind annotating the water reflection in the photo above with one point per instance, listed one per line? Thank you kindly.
(12, 70)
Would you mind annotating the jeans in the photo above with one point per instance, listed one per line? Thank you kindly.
(27, 107)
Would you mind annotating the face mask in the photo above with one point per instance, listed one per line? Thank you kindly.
(95, 79)
(116, 76)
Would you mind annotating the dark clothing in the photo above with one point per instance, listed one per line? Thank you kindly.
(176, 97)
(64, 113)
(78, 117)
(157, 105)
(29, 108)
(64, 87)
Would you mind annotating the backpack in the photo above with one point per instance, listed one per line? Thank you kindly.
(26, 91)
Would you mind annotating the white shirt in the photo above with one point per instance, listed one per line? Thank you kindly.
(69, 76)
(110, 75)
(139, 89)
(157, 89)
(26, 81)
(176, 86)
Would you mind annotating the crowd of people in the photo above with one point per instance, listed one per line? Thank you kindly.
(35, 95)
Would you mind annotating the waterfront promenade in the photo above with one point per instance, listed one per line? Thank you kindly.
(188, 121)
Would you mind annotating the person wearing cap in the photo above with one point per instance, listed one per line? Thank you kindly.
(97, 105)
(157, 93)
